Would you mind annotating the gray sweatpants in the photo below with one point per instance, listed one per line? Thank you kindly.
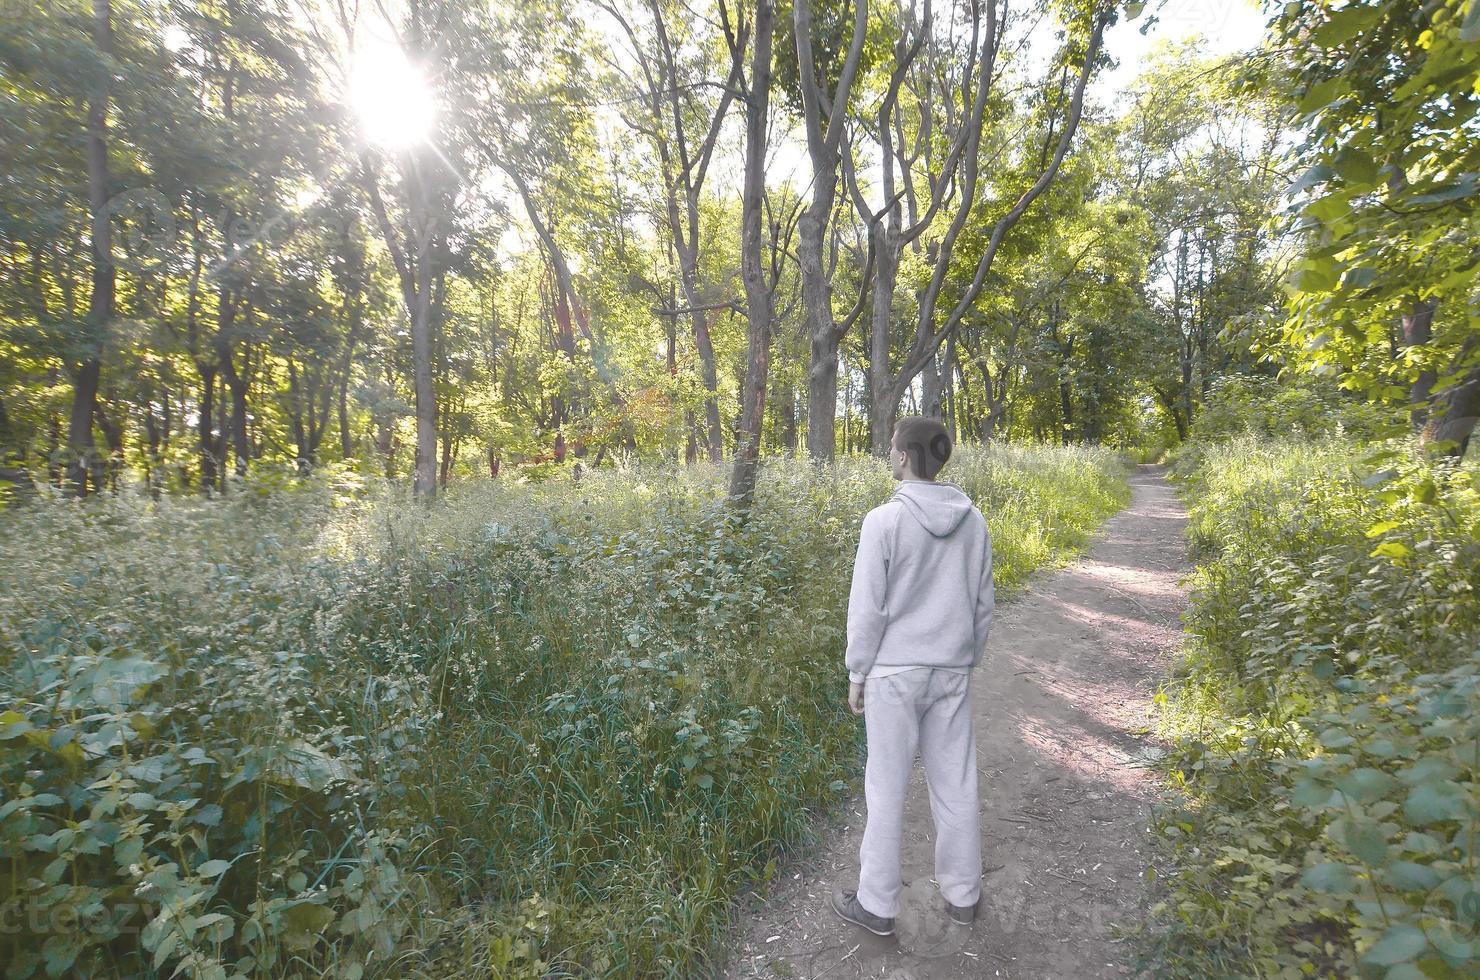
(928, 709)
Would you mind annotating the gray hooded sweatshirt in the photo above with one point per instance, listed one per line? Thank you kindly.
(922, 583)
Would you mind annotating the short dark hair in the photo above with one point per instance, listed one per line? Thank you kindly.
(926, 441)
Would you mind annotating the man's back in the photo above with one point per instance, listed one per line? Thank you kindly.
(922, 583)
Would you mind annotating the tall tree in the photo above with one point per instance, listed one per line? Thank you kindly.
(1387, 202)
(759, 288)
(950, 195)
(428, 172)
(682, 95)
(824, 111)
(87, 371)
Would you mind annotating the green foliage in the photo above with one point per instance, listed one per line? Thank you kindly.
(1385, 203)
(1307, 406)
(1325, 720)
(539, 729)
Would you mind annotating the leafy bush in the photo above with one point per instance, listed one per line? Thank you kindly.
(535, 730)
(1324, 723)
(1306, 406)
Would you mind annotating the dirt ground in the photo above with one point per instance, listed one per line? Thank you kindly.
(1062, 700)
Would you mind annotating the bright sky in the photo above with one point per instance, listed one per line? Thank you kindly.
(1226, 25)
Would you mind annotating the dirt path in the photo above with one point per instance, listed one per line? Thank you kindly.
(1065, 684)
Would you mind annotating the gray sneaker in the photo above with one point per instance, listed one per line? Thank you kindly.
(847, 906)
(963, 914)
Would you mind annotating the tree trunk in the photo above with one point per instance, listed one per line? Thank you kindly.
(83, 465)
(824, 139)
(883, 396)
(153, 480)
(788, 407)
(1169, 402)
(82, 459)
(343, 411)
(713, 425)
(237, 422)
(1066, 411)
(425, 481)
(759, 298)
(822, 386)
(936, 380)
(342, 393)
(1454, 412)
(445, 471)
(113, 439)
(1418, 329)
(205, 426)
(930, 387)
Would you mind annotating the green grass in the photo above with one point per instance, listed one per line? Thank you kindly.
(1323, 721)
(539, 729)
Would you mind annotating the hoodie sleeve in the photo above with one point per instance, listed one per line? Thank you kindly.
(867, 609)
(985, 601)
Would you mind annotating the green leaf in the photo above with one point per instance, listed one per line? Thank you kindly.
(1400, 944)
(1433, 802)
(1329, 208)
(166, 946)
(1410, 877)
(1315, 175)
(1344, 25)
(60, 951)
(1391, 549)
(1330, 877)
(1428, 769)
(1453, 192)
(116, 682)
(1356, 166)
(1314, 275)
(1310, 794)
(1366, 840)
(1381, 528)
(13, 724)
(218, 925)
(213, 868)
(1365, 784)
(304, 923)
(1322, 94)
(1335, 738)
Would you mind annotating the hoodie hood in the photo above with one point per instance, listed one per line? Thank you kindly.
(939, 507)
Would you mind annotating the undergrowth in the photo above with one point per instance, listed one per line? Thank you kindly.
(1324, 731)
(535, 730)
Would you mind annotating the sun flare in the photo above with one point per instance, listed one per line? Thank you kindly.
(390, 96)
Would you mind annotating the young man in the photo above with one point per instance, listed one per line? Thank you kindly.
(918, 617)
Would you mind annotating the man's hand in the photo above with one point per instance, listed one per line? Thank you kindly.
(855, 697)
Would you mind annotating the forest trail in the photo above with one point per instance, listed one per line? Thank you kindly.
(1065, 685)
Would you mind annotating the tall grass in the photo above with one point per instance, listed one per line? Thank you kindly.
(1325, 718)
(535, 730)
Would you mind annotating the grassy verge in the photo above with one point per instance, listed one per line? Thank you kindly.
(1324, 722)
(535, 730)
